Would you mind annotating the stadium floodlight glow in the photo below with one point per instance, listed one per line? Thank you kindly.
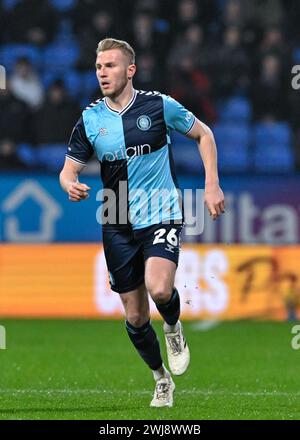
(2, 78)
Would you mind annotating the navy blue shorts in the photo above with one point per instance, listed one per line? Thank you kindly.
(126, 251)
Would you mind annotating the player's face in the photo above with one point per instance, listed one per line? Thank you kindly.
(113, 71)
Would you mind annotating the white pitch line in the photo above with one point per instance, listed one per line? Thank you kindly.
(179, 392)
(206, 325)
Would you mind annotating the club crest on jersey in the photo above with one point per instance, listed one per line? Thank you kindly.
(143, 122)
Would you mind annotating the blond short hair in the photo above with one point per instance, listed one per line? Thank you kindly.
(112, 43)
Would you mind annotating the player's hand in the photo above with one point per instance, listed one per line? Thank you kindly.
(78, 191)
(214, 200)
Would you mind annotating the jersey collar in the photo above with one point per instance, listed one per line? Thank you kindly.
(126, 108)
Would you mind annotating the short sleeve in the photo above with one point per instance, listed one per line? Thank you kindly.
(176, 116)
(79, 147)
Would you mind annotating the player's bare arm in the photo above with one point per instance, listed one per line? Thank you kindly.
(69, 181)
(214, 197)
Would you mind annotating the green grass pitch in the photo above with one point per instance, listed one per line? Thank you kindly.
(77, 369)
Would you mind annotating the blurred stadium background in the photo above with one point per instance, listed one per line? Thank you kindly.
(230, 62)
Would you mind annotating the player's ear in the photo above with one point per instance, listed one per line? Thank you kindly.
(131, 71)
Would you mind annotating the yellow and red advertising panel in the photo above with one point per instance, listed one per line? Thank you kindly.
(214, 281)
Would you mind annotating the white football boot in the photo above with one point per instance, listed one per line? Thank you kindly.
(177, 350)
(163, 393)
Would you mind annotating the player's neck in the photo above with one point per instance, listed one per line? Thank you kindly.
(120, 102)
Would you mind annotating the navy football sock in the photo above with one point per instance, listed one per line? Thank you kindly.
(171, 310)
(145, 341)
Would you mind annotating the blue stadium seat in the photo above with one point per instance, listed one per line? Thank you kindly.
(9, 4)
(233, 142)
(89, 83)
(73, 83)
(236, 110)
(274, 133)
(187, 159)
(178, 138)
(49, 77)
(51, 156)
(275, 158)
(186, 156)
(61, 57)
(296, 55)
(273, 147)
(232, 159)
(64, 34)
(238, 135)
(28, 154)
(63, 5)
(71, 79)
(233, 150)
(11, 52)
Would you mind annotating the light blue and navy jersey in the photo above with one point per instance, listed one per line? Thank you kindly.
(134, 146)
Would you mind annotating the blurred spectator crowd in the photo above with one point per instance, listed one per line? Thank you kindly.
(228, 61)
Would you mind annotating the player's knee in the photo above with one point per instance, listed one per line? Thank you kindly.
(137, 320)
(160, 295)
